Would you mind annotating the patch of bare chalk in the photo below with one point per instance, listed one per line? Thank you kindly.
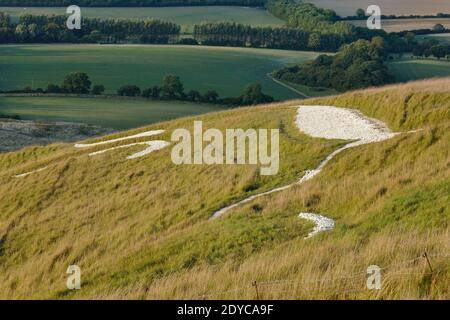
(321, 223)
(28, 173)
(152, 146)
(139, 135)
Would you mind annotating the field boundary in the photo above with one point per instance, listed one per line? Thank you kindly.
(304, 95)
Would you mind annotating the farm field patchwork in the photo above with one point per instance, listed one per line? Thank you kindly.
(226, 70)
(185, 16)
(415, 69)
(105, 112)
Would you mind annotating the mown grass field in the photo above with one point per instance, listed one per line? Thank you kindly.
(107, 112)
(185, 16)
(416, 69)
(140, 229)
(226, 70)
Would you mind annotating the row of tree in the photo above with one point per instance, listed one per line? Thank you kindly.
(41, 28)
(171, 88)
(129, 3)
(430, 48)
(238, 35)
(357, 65)
(361, 15)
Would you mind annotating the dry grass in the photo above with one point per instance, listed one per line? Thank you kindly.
(139, 229)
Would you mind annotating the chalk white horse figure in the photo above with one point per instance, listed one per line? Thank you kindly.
(153, 145)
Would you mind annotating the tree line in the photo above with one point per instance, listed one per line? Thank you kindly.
(239, 35)
(51, 29)
(431, 48)
(356, 65)
(172, 88)
(130, 3)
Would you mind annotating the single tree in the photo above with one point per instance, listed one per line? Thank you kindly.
(210, 96)
(98, 89)
(360, 13)
(129, 91)
(172, 87)
(194, 95)
(438, 28)
(77, 82)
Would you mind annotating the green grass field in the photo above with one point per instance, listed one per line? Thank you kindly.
(185, 16)
(226, 70)
(108, 112)
(415, 69)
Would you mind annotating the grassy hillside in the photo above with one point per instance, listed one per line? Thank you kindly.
(226, 70)
(185, 16)
(140, 229)
(106, 112)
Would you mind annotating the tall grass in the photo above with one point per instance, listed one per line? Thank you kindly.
(140, 229)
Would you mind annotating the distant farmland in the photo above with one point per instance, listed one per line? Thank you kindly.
(185, 16)
(112, 113)
(398, 7)
(397, 25)
(226, 70)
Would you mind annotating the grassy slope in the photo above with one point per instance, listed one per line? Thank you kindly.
(106, 112)
(135, 237)
(415, 69)
(185, 16)
(226, 70)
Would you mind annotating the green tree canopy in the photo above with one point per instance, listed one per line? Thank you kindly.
(172, 86)
(77, 82)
